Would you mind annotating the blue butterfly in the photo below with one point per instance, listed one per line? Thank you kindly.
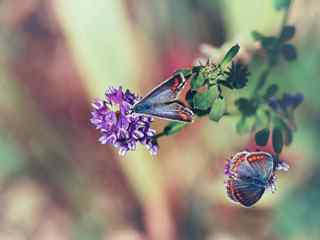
(162, 101)
(249, 174)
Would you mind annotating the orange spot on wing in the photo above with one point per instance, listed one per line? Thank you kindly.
(257, 157)
(184, 116)
(175, 84)
(231, 190)
(237, 162)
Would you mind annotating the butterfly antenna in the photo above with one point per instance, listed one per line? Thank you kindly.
(130, 111)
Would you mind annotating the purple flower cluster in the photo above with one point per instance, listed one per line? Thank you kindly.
(286, 102)
(227, 168)
(118, 126)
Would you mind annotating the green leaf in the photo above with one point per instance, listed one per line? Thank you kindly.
(244, 125)
(266, 42)
(270, 44)
(189, 96)
(281, 4)
(257, 36)
(203, 101)
(246, 106)
(201, 113)
(173, 128)
(230, 55)
(262, 137)
(198, 81)
(218, 109)
(271, 91)
(287, 33)
(289, 52)
(197, 69)
(277, 140)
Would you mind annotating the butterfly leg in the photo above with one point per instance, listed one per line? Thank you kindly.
(281, 165)
(272, 183)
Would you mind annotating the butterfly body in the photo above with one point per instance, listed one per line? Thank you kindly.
(249, 174)
(142, 108)
(162, 101)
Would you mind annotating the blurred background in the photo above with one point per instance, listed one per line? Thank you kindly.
(58, 182)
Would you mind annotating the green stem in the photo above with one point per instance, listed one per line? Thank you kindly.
(263, 79)
(159, 135)
(285, 19)
(265, 74)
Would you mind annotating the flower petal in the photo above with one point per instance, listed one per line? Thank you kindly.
(122, 129)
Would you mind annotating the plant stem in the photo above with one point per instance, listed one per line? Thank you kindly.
(160, 134)
(265, 74)
(263, 78)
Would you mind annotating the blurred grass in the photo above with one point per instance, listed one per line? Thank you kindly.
(11, 158)
(102, 42)
(242, 17)
(103, 48)
(117, 44)
(12, 161)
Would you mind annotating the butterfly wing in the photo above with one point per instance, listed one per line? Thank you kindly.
(262, 164)
(175, 111)
(166, 92)
(244, 191)
(230, 190)
(161, 101)
(257, 165)
(236, 162)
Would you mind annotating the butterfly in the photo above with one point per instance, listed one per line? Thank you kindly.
(161, 102)
(249, 174)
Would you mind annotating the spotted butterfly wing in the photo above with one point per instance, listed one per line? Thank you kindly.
(252, 164)
(236, 161)
(248, 175)
(230, 190)
(244, 191)
(262, 164)
(175, 111)
(161, 101)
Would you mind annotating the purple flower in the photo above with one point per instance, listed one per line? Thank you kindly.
(118, 126)
(291, 100)
(274, 103)
(227, 168)
(287, 101)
